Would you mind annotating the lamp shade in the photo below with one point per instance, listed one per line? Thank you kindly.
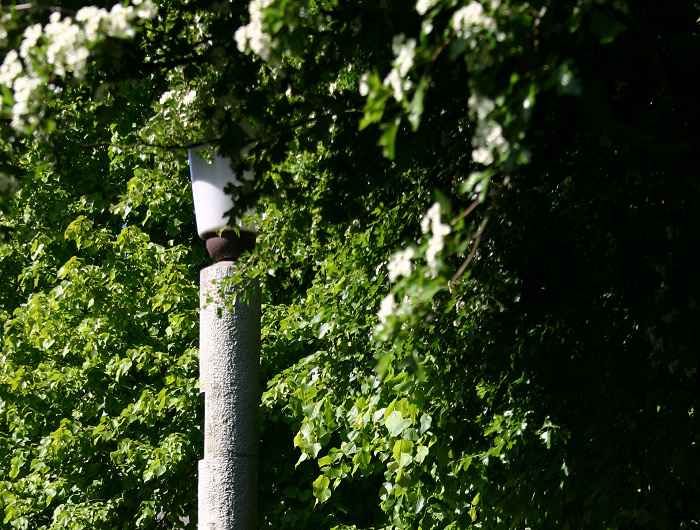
(211, 202)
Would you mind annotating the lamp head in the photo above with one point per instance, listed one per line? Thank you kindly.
(225, 239)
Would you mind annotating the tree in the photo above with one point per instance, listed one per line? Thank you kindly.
(476, 228)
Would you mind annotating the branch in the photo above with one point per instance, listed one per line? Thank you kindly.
(466, 212)
(43, 7)
(477, 239)
(166, 147)
(162, 64)
(442, 46)
(299, 123)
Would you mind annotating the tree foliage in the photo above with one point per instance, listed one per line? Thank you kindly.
(476, 224)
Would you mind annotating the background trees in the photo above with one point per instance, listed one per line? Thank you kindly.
(476, 232)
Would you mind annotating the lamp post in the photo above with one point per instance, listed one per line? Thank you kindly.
(229, 359)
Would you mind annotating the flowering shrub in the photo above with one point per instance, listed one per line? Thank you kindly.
(59, 48)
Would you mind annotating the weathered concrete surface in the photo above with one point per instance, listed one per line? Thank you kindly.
(229, 365)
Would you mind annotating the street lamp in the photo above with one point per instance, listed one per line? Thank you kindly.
(229, 357)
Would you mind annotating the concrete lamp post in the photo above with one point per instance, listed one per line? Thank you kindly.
(229, 359)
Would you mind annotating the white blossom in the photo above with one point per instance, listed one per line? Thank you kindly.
(165, 97)
(66, 49)
(387, 308)
(31, 35)
(25, 93)
(364, 85)
(431, 218)
(120, 18)
(92, 18)
(260, 42)
(60, 47)
(435, 246)
(488, 138)
(481, 155)
(405, 54)
(189, 97)
(400, 264)
(176, 105)
(146, 9)
(10, 69)
(117, 22)
(241, 38)
(480, 106)
(488, 134)
(493, 135)
(405, 51)
(397, 84)
(432, 223)
(565, 79)
(423, 6)
(471, 19)
(252, 34)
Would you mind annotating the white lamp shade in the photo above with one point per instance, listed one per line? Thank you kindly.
(210, 201)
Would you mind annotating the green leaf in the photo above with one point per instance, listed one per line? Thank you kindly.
(403, 452)
(321, 490)
(396, 423)
(421, 452)
(387, 140)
